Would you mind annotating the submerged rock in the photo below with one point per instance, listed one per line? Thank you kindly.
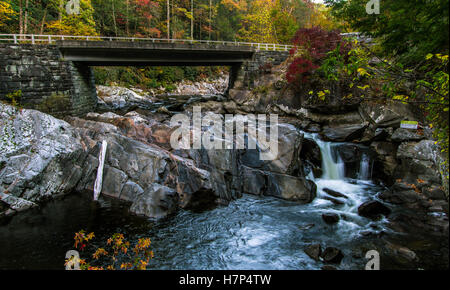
(373, 209)
(334, 193)
(330, 218)
(314, 251)
(332, 255)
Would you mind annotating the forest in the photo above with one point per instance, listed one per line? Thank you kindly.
(241, 20)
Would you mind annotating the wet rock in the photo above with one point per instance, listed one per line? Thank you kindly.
(382, 134)
(373, 209)
(291, 188)
(343, 133)
(330, 218)
(434, 193)
(402, 135)
(334, 193)
(312, 158)
(314, 251)
(403, 253)
(333, 200)
(157, 201)
(332, 255)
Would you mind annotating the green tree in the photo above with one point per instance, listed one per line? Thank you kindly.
(408, 29)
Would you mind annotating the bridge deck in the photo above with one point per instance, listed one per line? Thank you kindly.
(144, 53)
(101, 50)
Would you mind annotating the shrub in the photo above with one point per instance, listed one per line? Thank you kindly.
(56, 103)
(136, 258)
(312, 46)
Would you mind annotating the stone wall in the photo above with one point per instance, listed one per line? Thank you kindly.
(44, 78)
(243, 76)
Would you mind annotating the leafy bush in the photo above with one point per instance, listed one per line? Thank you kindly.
(56, 103)
(117, 247)
(312, 46)
(15, 97)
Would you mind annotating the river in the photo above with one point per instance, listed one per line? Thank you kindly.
(250, 233)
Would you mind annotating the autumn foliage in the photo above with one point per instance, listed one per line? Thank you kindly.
(311, 47)
(117, 248)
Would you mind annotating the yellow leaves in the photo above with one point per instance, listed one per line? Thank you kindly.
(402, 98)
(311, 92)
(443, 58)
(322, 94)
(364, 87)
(6, 12)
(363, 72)
(348, 96)
(139, 257)
(100, 252)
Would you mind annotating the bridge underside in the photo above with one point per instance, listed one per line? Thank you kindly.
(103, 53)
(61, 74)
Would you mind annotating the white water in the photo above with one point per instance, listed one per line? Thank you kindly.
(356, 190)
(364, 168)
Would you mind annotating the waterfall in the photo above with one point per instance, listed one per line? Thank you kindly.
(331, 169)
(364, 168)
(101, 163)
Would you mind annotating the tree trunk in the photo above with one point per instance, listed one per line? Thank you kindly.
(168, 19)
(128, 15)
(20, 17)
(192, 19)
(25, 25)
(114, 17)
(210, 20)
(43, 21)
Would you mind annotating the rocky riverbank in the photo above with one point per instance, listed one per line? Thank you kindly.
(42, 157)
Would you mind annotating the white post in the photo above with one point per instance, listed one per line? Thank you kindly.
(15, 39)
(49, 39)
(101, 163)
(32, 38)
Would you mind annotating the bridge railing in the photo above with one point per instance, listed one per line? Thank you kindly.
(52, 39)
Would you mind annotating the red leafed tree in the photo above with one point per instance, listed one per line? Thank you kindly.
(311, 47)
(146, 10)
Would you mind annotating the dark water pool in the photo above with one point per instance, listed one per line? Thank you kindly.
(249, 233)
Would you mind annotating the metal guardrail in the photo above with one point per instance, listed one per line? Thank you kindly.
(51, 39)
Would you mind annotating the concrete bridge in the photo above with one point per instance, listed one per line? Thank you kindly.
(49, 68)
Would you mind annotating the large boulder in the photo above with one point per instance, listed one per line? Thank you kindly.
(282, 186)
(131, 166)
(401, 135)
(372, 209)
(40, 156)
(343, 133)
(417, 160)
(157, 201)
(386, 115)
(287, 161)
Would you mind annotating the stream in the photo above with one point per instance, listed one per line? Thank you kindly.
(249, 233)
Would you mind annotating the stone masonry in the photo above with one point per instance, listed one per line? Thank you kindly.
(40, 72)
